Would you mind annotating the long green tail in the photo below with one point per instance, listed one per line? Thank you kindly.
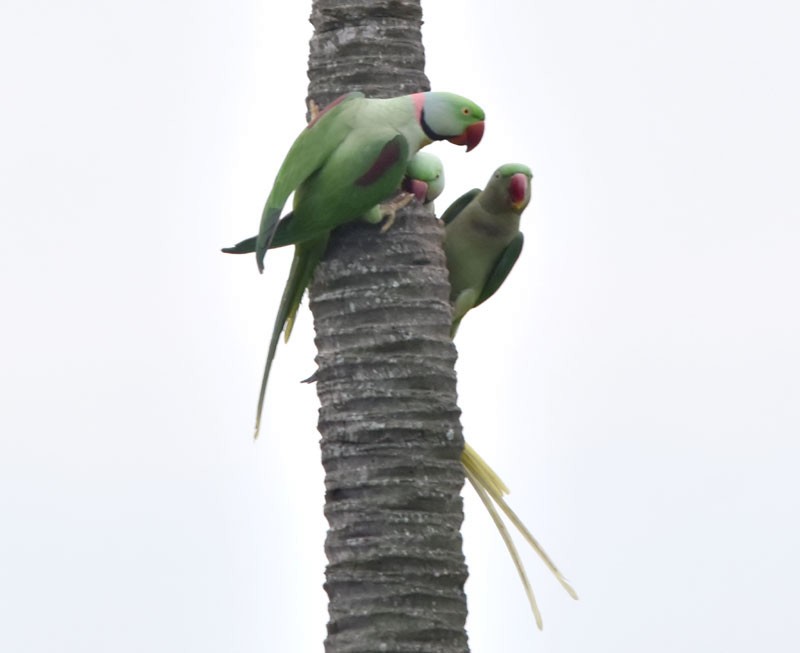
(306, 257)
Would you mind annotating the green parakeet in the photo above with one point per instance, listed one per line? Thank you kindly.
(482, 237)
(353, 155)
(482, 243)
(349, 158)
(424, 179)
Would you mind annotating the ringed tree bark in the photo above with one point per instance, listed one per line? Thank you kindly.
(389, 420)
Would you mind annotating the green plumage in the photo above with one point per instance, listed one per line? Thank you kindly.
(353, 155)
(350, 158)
(482, 243)
(424, 176)
(482, 237)
(426, 170)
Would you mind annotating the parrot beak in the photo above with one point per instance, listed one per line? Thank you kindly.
(517, 190)
(470, 137)
(417, 188)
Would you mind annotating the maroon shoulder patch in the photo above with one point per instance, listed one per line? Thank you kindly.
(390, 154)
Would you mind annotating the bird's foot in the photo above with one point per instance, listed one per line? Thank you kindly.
(389, 209)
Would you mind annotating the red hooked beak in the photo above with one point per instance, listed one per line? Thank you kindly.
(417, 188)
(470, 137)
(517, 188)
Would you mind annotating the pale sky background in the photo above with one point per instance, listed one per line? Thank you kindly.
(635, 381)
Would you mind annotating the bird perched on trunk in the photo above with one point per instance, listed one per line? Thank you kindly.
(482, 243)
(352, 156)
(482, 237)
(424, 180)
(348, 159)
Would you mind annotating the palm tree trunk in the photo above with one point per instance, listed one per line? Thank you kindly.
(391, 437)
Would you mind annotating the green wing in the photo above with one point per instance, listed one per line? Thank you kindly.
(363, 172)
(282, 239)
(246, 246)
(501, 269)
(459, 205)
(308, 153)
(306, 257)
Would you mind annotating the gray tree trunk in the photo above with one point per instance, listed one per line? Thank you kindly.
(391, 437)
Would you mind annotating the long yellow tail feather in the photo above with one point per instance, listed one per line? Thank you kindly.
(512, 549)
(490, 488)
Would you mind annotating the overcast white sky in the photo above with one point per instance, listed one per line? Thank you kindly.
(635, 381)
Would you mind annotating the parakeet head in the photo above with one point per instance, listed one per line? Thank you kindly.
(450, 117)
(424, 177)
(510, 186)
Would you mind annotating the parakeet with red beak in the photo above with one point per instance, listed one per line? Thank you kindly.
(482, 237)
(482, 243)
(424, 179)
(353, 155)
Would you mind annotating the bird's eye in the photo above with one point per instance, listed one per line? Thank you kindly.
(465, 111)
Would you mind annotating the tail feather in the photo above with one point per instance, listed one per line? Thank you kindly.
(307, 273)
(306, 257)
(536, 546)
(480, 468)
(490, 488)
(512, 549)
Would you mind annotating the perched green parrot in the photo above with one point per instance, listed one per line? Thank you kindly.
(353, 155)
(424, 180)
(424, 177)
(482, 243)
(482, 237)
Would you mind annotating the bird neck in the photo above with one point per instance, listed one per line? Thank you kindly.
(400, 114)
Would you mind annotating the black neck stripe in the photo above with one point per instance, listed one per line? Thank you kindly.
(427, 128)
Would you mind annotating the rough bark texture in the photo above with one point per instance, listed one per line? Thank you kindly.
(391, 436)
